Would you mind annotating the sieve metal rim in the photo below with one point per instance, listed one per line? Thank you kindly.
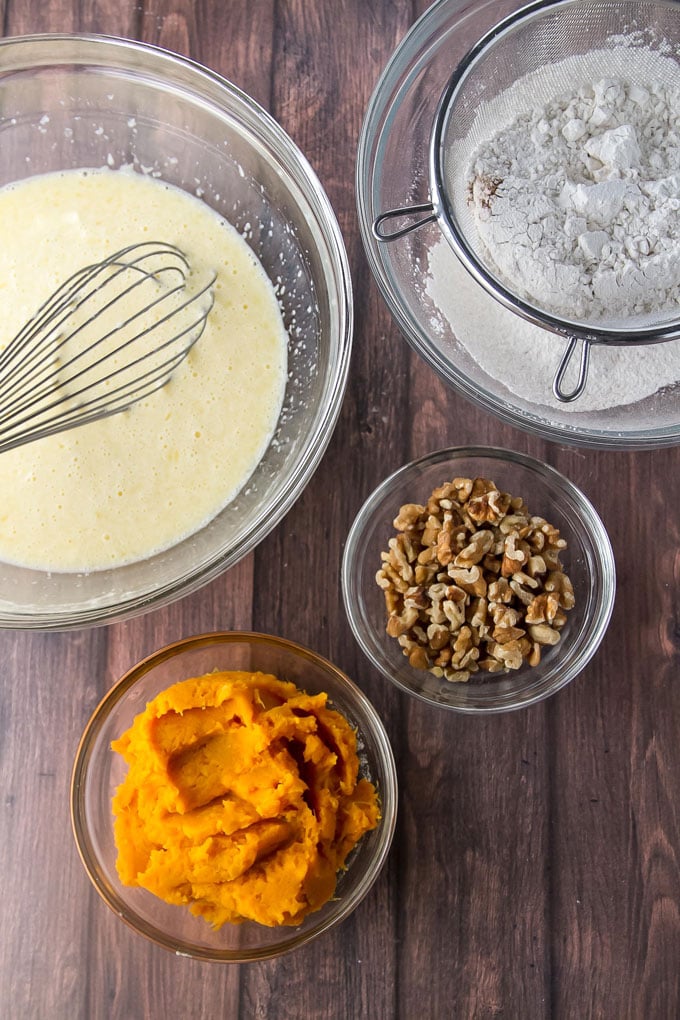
(439, 209)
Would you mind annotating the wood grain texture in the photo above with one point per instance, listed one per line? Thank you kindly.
(535, 870)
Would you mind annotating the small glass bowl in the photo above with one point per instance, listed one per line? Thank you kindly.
(98, 771)
(588, 560)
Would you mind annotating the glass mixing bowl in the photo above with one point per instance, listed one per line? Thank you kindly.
(98, 771)
(445, 314)
(86, 101)
(588, 561)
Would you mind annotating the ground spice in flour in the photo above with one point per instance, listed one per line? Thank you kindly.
(577, 201)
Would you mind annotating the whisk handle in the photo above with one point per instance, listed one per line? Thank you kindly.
(393, 214)
(584, 362)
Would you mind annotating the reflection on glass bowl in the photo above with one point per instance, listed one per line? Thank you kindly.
(587, 560)
(79, 102)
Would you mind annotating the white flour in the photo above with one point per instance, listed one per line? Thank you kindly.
(577, 199)
(524, 358)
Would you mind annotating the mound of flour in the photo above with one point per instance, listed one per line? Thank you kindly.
(573, 185)
(578, 201)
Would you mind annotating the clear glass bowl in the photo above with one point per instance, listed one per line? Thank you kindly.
(588, 561)
(70, 102)
(393, 171)
(98, 771)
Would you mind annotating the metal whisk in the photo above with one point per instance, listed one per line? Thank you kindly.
(109, 336)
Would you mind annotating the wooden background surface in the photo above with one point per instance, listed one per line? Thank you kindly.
(535, 868)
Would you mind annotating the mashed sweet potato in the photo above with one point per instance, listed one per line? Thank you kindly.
(241, 800)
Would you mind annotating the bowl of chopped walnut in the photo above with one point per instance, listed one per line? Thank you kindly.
(478, 579)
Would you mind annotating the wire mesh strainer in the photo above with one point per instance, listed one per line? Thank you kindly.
(545, 49)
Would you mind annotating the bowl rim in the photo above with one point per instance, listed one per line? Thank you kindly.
(388, 792)
(411, 55)
(337, 273)
(588, 515)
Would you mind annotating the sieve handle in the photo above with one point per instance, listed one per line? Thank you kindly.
(582, 371)
(394, 214)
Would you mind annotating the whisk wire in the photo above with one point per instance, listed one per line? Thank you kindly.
(49, 379)
(123, 395)
(63, 296)
(63, 301)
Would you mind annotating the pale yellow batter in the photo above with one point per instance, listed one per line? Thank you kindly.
(127, 487)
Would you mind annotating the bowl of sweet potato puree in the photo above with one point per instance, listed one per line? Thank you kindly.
(233, 796)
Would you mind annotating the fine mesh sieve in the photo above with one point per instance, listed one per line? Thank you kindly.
(546, 49)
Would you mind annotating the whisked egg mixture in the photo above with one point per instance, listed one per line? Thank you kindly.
(121, 489)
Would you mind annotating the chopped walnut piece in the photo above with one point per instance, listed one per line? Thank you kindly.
(515, 555)
(504, 615)
(479, 545)
(408, 516)
(489, 507)
(444, 550)
(462, 488)
(504, 634)
(401, 623)
(417, 657)
(544, 634)
(543, 608)
(473, 584)
(535, 566)
(438, 635)
(500, 591)
(558, 582)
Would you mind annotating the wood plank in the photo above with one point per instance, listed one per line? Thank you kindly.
(44, 940)
(304, 573)
(232, 39)
(474, 819)
(616, 900)
(25, 17)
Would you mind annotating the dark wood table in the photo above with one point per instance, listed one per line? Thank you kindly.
(535, 870)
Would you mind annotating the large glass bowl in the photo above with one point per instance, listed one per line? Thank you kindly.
(70, 102)
(98, 771)
(588, 561)
(393, 172)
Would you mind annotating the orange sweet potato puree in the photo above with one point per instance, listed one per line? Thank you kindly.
(241, 800)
